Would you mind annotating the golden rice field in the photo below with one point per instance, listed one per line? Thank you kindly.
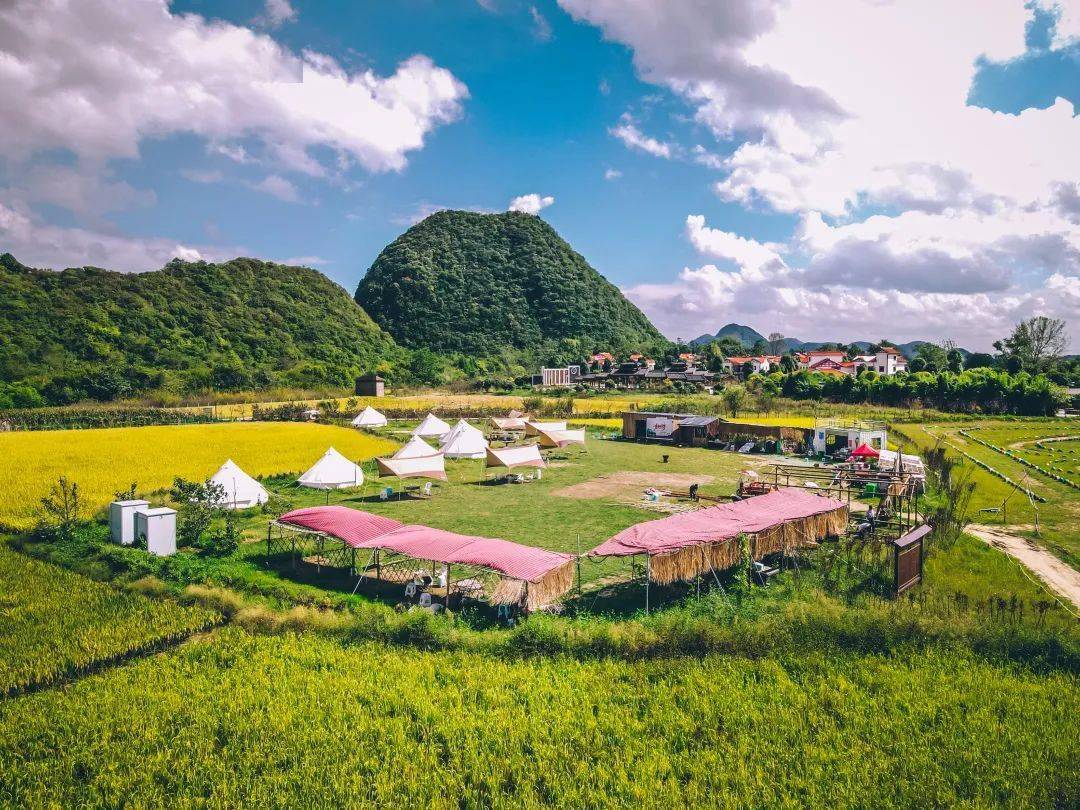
(104, 461)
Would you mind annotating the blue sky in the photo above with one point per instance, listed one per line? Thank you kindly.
(822, 169)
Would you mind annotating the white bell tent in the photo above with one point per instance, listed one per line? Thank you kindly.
(332, 471)
(240, 489)
(415, 448)
(431, 428)
(464, 441)
(369, 418)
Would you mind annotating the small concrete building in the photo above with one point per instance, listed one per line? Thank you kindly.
(122, 520)
(158, 526)
(830, 435)
(370, 385)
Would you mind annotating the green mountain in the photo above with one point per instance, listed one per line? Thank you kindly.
(91, 333)
(744, 334)
(480, 284)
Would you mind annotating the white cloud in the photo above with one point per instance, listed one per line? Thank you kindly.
(306, 261)
(277, 186)
(541, 28)
(279, 12)
(612, 174)
(855, 117)
(530, 203)
(634, 138)
(202, 175)
(97, 77)
(89, 193)
(39, 244)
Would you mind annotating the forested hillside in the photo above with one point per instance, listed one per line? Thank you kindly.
(482, 283)
(91, 333)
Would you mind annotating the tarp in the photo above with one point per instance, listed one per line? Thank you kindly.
(510, 457)
(369, 417)
(361, 529)
(432, 427)
(864, 451)
(241, 490)
(508, 422)
(430, 466)
(353, 526)
(332, 471)
(414, 448)
(463, 441)
(536, 428)
(716, 523)
(561, 438)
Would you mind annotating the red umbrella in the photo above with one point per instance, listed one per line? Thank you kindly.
(864, 451)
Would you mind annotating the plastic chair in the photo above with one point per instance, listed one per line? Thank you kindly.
(427, 489)
(539, 473)
(425, 599)
(410, 590)
(382, 495)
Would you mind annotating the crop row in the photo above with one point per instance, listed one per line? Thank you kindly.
(55, 623)
(998, 474)
(300, 721)
(1010, 454)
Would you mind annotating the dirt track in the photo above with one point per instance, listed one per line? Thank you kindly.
(1060, 577)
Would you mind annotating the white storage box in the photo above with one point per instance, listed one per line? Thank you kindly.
(158, 526)
(122, 520)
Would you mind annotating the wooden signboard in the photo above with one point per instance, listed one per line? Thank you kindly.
(908, 559)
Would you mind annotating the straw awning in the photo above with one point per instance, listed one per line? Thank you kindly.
(510, 457)
(687, 545)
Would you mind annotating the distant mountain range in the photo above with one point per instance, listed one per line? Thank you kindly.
(749, 336)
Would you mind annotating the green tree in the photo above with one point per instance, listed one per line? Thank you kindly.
(1036, 342)
(734, 398)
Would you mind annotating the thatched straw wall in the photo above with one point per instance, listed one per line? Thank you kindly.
(688, 563)
(534, 595)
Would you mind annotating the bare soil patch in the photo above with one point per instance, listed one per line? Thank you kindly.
(1059, 577)
(628, 485)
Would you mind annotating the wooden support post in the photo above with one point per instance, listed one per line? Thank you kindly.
(378, 565)
(269, 529)
(648, 576)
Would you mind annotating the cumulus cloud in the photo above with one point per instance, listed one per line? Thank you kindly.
(612, 174)
(277, 186)
(98, 76)
(855, 118)
(634, 138)
(278, 12)
(530, 203)
(88, 193)
(40, 244)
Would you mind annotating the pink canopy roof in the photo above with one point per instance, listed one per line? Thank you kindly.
(715, 523)
(364, 530)
(351, 525)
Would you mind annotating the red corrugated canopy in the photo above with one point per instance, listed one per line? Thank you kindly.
(715, 523)
(353, 526)
(364, 530)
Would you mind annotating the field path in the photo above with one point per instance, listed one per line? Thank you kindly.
(1026, 442)
(1060, 577)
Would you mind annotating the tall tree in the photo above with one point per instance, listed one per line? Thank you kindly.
(776, 343)
(1035, 342)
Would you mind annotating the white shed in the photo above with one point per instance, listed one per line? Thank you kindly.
(158, 526)
(122, 520)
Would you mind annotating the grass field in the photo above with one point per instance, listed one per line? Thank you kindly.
(296, 721)
(1059, 516)
(54, 623)
(107, 460)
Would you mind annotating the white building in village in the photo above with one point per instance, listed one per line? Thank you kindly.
(832, 434)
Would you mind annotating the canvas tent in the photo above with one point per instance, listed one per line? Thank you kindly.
(464, 441)
(414, 448)
(429, 466)
(431, 428)
(332, 471)
(536, 428)
(508, 422)
(241, 490)
(511, 457)
(369, 417)
(561, 438)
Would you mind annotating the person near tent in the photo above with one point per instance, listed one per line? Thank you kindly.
(693, 492)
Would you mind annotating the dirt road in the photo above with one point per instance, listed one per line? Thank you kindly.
(1060, 577)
